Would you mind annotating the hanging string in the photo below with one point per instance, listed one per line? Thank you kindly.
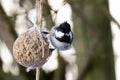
(37, 73)
(39, 21)
(39, 12)
(39, 24)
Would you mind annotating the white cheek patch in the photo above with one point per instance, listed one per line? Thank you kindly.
(59, 34)
(71, 35)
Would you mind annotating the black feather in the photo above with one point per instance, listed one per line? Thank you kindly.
(64, 27)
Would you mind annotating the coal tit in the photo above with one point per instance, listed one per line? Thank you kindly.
(61, 36)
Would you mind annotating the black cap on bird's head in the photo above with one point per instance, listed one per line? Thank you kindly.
(64, 27)
(66, 33)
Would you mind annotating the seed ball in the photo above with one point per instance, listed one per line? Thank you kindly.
(27, 49)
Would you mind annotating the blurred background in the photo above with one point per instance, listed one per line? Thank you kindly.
(95, 51)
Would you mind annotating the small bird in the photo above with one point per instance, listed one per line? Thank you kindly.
(28, 50)
(61, 36)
